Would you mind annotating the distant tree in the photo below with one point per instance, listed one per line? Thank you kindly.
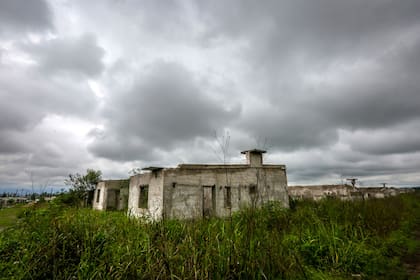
(82, 185)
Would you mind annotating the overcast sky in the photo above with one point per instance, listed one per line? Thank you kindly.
(331, 88)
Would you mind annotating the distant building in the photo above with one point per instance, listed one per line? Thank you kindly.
(199, 190)
(343, 192)
(375, 192)
(111, 195)
(317, 192)
(12, 200)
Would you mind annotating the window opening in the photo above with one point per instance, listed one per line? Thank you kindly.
(228, 197)
(144, 196)
(252, 189)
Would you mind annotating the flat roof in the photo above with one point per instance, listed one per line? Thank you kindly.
(113, 180)
(254, 151)
(153, 168)
(227, 166)
(320, 186)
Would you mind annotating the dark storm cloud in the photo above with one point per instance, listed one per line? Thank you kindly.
(122, 148)
(164, 107)
(79, 56)
(381, 96)
(30, 93)
(332, 165)
(399, 139)
(330, 86)
(22, 15)
(288, 129)
(325, 27)
(365, 61)
(10, 144)
(27, 97)
(312, 69)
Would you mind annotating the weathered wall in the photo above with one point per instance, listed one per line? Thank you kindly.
(113, 195)
(196, 190)
(154, 180)
(183, 188)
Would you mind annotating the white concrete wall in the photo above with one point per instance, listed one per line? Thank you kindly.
(155, 196)
(101, 204)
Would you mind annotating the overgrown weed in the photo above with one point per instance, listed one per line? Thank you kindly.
(330, 239)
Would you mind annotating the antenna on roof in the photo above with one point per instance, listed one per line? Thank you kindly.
(352, 181)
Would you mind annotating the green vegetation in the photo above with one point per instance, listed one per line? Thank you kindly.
(9, 215)
(81, 188)
(331, 239)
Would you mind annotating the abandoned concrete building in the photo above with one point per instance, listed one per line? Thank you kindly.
(317, 192)
(343, 192)
(196, 190)
(199, 190)
(111, 195)
(373, 192)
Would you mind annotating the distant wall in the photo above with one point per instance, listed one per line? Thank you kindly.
(344, 192)
(317, 192)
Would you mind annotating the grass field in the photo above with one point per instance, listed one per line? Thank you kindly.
(9, 215)
(330, 239)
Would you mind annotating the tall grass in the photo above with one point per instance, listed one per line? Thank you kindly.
(330, 239)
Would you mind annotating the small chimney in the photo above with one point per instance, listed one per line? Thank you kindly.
(254, 157)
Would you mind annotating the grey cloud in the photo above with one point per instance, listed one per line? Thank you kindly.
(121, 148)
(399, 139)
(48, 154)
(329, 165)
(164, 107)
(28, 97)
(10, 144)
(379, 97)
(332, 85)
(286, 41)
(80, 56)
(151, 25)
(287, 128)
(324, 26)
(381, 93)
(22, 15)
